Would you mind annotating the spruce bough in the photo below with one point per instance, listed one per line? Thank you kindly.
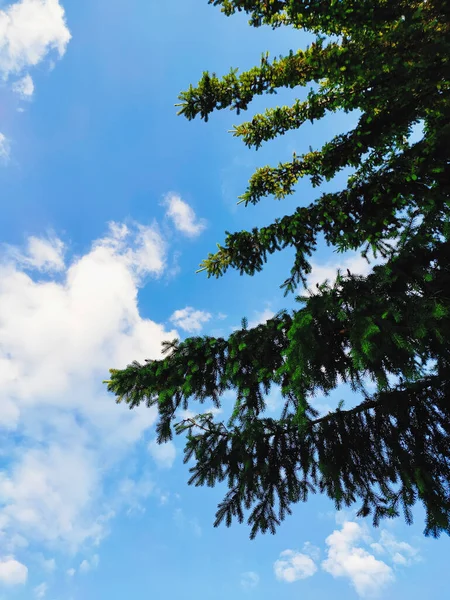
(390, 61)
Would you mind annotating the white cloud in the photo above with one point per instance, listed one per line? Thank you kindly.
(71, 572)
(260, 317)
(293, 566)
(89, 565)
(24, 86)
(189, 319)
(47, 491)
(353, 261)
(58, 338)
(41, 254)
(143, 250)
(183, 216)
(12, 572)
(29, 31)
(401, 553)
(346, 558)
(4, 148)
(249, 580)
(163, 454)
(40, 591)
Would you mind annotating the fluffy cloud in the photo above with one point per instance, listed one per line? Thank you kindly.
(29, 31)
(346, 558)
(12, 572)
(4, 148)
(183, 216)
(48, 491)
(260, 317)
(293, 566)
(163, 454)
(59, 335)
(143, 250)
(24, 86)
(189, 319)
(249, 580)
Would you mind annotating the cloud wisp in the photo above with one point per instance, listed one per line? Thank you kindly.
(189, 319)
(183, 216)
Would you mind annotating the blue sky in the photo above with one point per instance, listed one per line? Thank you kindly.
(109, 202)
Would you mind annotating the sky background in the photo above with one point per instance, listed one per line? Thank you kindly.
(109, 202)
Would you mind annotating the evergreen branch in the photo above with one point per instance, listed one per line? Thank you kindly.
(365, 212)
(318, 15)
(236, 92)
(391, 63)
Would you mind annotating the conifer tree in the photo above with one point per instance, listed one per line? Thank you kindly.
(390, 61)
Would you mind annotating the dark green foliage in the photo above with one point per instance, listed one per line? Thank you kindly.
(390, 60)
